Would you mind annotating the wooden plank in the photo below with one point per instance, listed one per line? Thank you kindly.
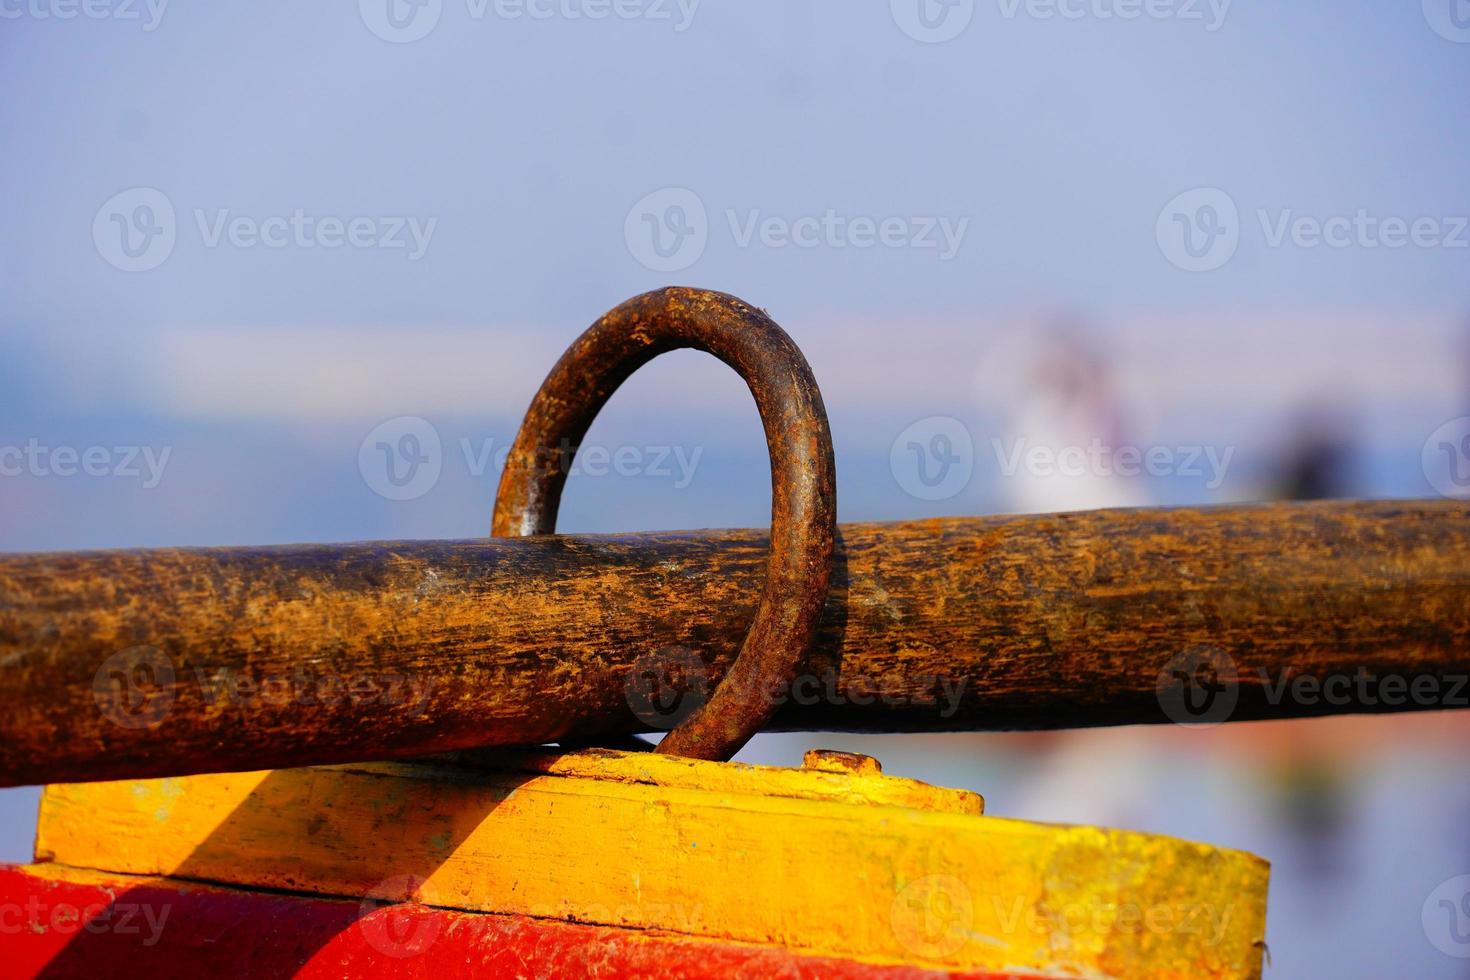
(825, 864)
(138, 663)
(66, 922)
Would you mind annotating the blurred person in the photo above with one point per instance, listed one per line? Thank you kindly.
(1067, 408)
(1068, 403)
(1317, 463)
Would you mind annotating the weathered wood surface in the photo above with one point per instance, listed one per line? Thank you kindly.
(138, 663)
(71, 923)
(827, 860)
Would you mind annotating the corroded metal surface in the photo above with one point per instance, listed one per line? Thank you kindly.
(803, 479)
(117, 664)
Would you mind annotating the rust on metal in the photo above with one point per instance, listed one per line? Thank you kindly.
(803, 479)
(118, 664)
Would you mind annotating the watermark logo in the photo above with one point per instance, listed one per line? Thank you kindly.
(935, 692)
(932, 916)
(1198, 688)
(1450, 19)
(667, 230)
(143, 463)
(934, 458)
(831, 230)
(401, 459)
(37, 916)
(400, 21)
(134, 688)
(138, 687)
(393, 918)
(1207, 921)
(405, 21)
(932, 21)
(1446, 917)
(1199, 230)
(299, 229)
(1201, 687)
(666, 686)
(1446, 458)
(406, 695)
(1211, 13)
(677, 13)
(1361, 229)
(1097, 459)
(135, 230)
(148, 12)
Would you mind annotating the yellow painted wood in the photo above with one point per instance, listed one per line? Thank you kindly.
(834, 858)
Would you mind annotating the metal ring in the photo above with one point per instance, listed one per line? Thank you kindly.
(803, 479)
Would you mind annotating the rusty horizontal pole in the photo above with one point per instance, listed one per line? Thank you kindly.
(121, 664)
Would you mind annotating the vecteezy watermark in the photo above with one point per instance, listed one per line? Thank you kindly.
(1200, 687)
(893, 690)
(936, 21)
(667, 685)
(1200, 230)
(1207, 463)
(400, 21)
(134, 688)
(1362, 229)
(403, 458)
(405, 21)
(936, 916)
(1446, 917)
(406, 694)
(667, 230)
(932, 21)
(1445, 458)
(138, 687)
(939, 233)
(398, 917)
(394, 920)
(677, 917)
(1450, 19)
(1205, 920)
(65, 918)
(933, 459)
(147, 13)
(136, 230)
(144, 463)
(1209, 13)
(933, 916)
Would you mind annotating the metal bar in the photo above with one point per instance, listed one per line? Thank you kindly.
(803, 479)
(143, 663)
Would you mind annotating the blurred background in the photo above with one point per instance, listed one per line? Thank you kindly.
(278, 272)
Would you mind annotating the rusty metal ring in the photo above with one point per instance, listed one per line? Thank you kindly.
(803, 479)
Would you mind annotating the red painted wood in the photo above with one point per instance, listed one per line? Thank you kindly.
(102, 927)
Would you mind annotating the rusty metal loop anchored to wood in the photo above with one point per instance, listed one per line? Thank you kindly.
(803, 479)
